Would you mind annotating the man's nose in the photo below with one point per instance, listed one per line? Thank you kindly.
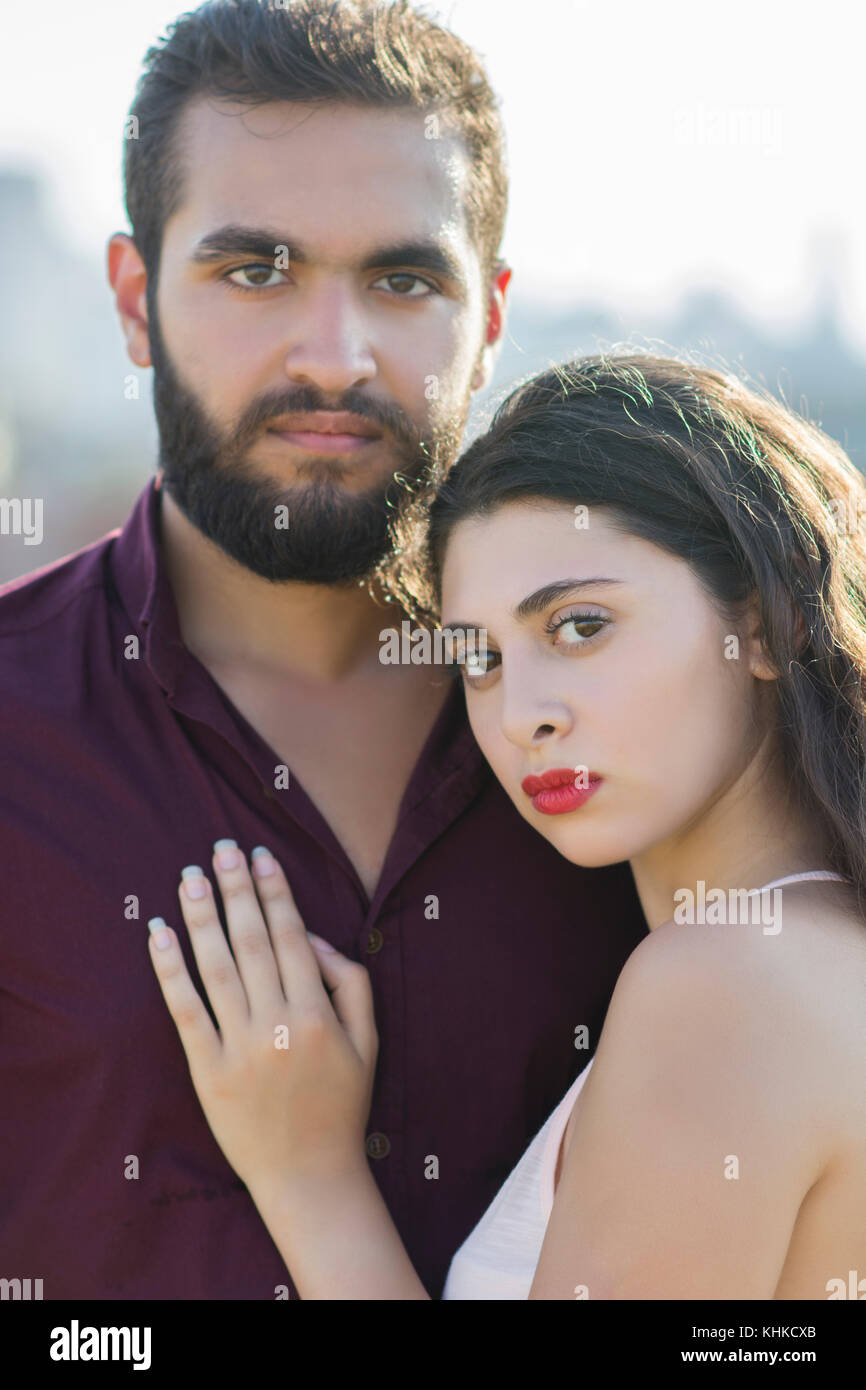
(330, 345)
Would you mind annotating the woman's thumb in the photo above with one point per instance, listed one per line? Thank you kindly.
(348, 983)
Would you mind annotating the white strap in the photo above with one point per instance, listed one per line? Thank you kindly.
(792, 878)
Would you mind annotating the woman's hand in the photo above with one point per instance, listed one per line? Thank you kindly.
(286, 1082)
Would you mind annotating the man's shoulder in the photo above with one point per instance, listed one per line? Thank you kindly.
(52, 631)
(45, 595)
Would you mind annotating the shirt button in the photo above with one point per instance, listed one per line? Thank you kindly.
(375, 942)
(378, 1145)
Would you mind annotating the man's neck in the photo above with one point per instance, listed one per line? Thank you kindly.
(228, 615)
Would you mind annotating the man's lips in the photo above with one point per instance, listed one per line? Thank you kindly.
(555, 777)
(326, 432)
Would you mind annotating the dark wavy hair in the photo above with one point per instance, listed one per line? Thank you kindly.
(757, 500)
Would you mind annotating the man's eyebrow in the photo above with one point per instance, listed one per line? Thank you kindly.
(542, 598)
(420, 255)
(235, 239)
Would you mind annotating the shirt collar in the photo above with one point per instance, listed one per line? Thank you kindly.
(140, 578)
(141, 581)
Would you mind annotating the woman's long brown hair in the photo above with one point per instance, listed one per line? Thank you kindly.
(758, 501)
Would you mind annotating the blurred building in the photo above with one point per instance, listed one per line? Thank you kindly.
(68, 431)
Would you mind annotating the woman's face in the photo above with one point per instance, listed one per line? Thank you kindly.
(635, 680)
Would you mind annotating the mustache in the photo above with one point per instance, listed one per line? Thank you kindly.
(304, 399)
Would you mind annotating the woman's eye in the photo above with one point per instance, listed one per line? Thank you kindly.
(256, 268)
(576, 621)
(403, 277)
(474, 667)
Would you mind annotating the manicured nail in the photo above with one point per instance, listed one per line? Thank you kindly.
(159, 932)
(321, 943)
(227, 853)
(263, 862)
(193, 881)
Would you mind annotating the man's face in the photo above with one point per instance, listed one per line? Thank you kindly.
(354, 288)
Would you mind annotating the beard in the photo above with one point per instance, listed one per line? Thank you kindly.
(335, 535)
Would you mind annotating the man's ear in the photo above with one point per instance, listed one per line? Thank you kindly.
(128, 278)
(494, 328)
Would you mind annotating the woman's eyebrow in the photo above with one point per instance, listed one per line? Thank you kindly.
(542, 598)
(539, 599)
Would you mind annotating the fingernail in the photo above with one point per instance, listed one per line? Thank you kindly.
(263, 862)
(321, 943)
(159, 933)
(193, 881)
(227, 853)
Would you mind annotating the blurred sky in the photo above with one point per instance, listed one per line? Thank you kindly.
(651, 145)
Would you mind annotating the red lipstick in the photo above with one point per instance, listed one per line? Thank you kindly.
(554, 792)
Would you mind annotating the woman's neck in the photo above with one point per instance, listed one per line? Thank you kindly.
(748, 838)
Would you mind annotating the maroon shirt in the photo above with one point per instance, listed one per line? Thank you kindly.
(114, 774)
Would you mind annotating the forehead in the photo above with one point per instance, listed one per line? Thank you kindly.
(494, 561)
(332, 174)
(529, 531)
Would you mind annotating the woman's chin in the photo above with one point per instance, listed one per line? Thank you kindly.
(583, 860)
(587, 850)
(588, 846)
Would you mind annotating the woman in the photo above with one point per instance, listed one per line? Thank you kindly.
(670, 578)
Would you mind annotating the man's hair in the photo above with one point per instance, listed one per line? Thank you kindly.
(371, 53)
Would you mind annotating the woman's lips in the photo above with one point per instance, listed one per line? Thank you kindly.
(554, 792)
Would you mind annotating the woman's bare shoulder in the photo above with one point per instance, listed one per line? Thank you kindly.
(810, 926)
(784, 997)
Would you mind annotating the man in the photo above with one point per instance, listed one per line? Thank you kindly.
(316, 203)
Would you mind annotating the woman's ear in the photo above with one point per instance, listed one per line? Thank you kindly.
(759, 662)
(801, 634)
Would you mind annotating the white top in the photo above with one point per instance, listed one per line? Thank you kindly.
(499, 1257)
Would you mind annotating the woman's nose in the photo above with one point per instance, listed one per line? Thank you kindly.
(531, 716)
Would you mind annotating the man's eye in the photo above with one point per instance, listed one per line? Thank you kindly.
(403, 278)
(256, 268)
